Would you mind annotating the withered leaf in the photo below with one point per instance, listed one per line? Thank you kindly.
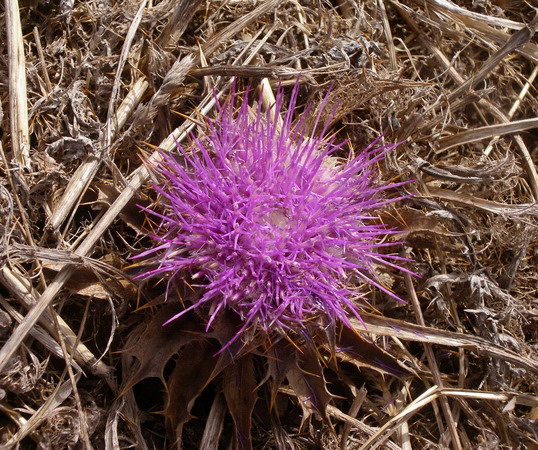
(490, 206)
(482, 172)
(424, 230)
(194, 369)
(368, 353)
(351, 95)
(131, 214)
(240, 394)
(384, 326)
(410, 221)
(154, 344)
(94, 277)
(281, 358)
(307, 381)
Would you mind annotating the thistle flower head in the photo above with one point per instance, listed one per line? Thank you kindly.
(273, 225)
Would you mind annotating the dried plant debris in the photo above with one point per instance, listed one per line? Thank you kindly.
(95, 93)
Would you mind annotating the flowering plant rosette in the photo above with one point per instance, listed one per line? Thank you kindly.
(278, 230)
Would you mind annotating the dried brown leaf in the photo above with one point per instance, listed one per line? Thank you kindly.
(131, 213)
(384, 326)
(195, 368)
(281, 358)
(154, 344)
(490, 206)
(369, 354)
(485, 171)
(308, 382)
(240, 392)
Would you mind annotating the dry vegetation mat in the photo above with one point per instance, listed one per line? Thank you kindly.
(91, 90)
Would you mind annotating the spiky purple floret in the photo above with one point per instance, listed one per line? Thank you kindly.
(274, 225)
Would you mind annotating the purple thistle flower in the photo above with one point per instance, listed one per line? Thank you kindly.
(276, 226)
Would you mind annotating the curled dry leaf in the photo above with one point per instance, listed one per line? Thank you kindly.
(195, 368)
(366, 353)
(308, 382)
(240, 393)
(153, 345)
(501, 169)
(104, 195)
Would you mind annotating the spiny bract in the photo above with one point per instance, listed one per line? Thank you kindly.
(274, 224)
